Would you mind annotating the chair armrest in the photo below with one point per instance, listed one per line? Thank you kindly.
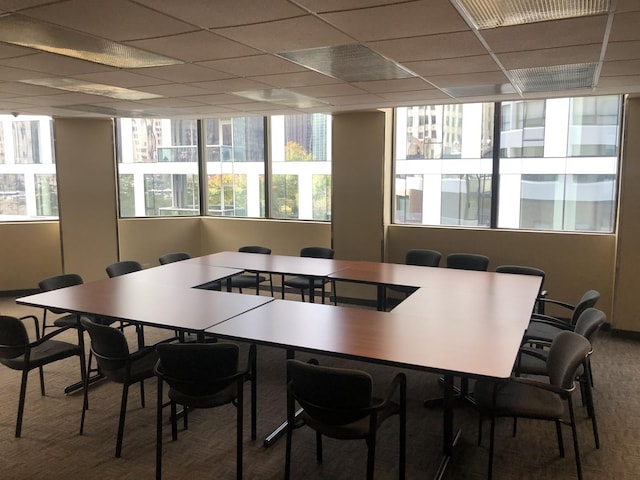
(35, 323)
(558, 302)
(556, 322)
(543, 386)
(49, 336)
(399, 382)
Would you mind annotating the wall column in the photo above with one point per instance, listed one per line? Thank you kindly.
(87, 197)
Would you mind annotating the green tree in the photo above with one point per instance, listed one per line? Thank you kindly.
(294, 152)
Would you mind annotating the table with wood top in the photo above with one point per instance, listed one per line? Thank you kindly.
(458, 322)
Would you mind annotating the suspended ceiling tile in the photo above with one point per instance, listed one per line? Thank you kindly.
(231, 85)
(118, 20)
(430, 47)
(421, 96)
(299, 79)
(62, 99)
(217, 99)
(403, 85)
(451, 66)
(622, 50)
(173, 90)
(551, 56)
(324, 6)
(215, 14)
(120, 78)
(334, 90)
(462, 80)
(625, 27)
(195, 47)
(9, 74)
(536, 36)
(184, 73)
(401, 20)
(623, 67)
(362, 99)
(254, 65)
(288, 34)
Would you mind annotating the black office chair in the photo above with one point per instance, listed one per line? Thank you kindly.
(528, 398)
(421, 257)
(546, 327)
(173, 257)
(118, 269)
(532, 360)
(252, 279)
(204, 376)
(468, 261)
(302, 283)
(54, 283)
(18, 353)
(123, 267)
(109, 347)
(526, 270)
(339, 403)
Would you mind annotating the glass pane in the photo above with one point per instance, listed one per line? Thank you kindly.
(158, 167)
(527, 138)
(563, 178)
(301, 163)
(28, 188)
(443, 168)
(235, 156)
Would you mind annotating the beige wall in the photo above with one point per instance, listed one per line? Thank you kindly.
(29, 252)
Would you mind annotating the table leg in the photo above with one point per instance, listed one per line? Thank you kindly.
(448, 438)
(311, 290)
(381, 298)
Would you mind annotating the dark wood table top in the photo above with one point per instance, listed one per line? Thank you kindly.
(138, 298)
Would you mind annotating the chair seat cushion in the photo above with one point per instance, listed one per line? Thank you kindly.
(302, 283)
(221, 397)
(518, 400)
(352, 430)
(48, 352)
(542, 331)
(246, 280)
(141, 368)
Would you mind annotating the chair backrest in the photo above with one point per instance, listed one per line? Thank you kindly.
(422, 257)
(198, 369)
(59, 281)
(13, 337)
(588, 300)
(122, 268)
(467, 261)
(173, 257)
(255, 249)
(523, 270)
(331, 395)
(110, 348)
(568, 350)
(589, 323)
(317, 252)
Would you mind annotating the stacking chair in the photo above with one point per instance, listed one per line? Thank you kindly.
(118, 269)
(546, 327)
(421, 257)
(204, 376)
(533, 360)
(468, 261)
(252, 279)
(525, 270)
(18, 353)
(302, 283)
(338, 403)
(54, 283)
(173, 257)
(109, 347)
(122, 268)
(521, 397)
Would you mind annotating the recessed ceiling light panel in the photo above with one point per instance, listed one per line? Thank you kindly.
(350, 63)
(557, 77)
(72, 85)
(281, 96)
(27, 32)
(501, 13)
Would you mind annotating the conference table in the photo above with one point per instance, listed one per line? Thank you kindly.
(457, 322)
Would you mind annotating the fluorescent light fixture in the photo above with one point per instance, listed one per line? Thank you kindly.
(557, 77)
(27, 32)
(485, 14)
(281, 96)
(350, 63)
(73, 85)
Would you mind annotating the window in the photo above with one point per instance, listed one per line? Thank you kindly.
(445, 179)
(556, 170)
(28, 188)
(158, 167)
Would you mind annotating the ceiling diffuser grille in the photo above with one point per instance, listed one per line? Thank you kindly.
(501, 13)
(350, 63)
(557, 77)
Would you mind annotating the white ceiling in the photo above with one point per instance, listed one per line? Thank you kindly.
(228, 46)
